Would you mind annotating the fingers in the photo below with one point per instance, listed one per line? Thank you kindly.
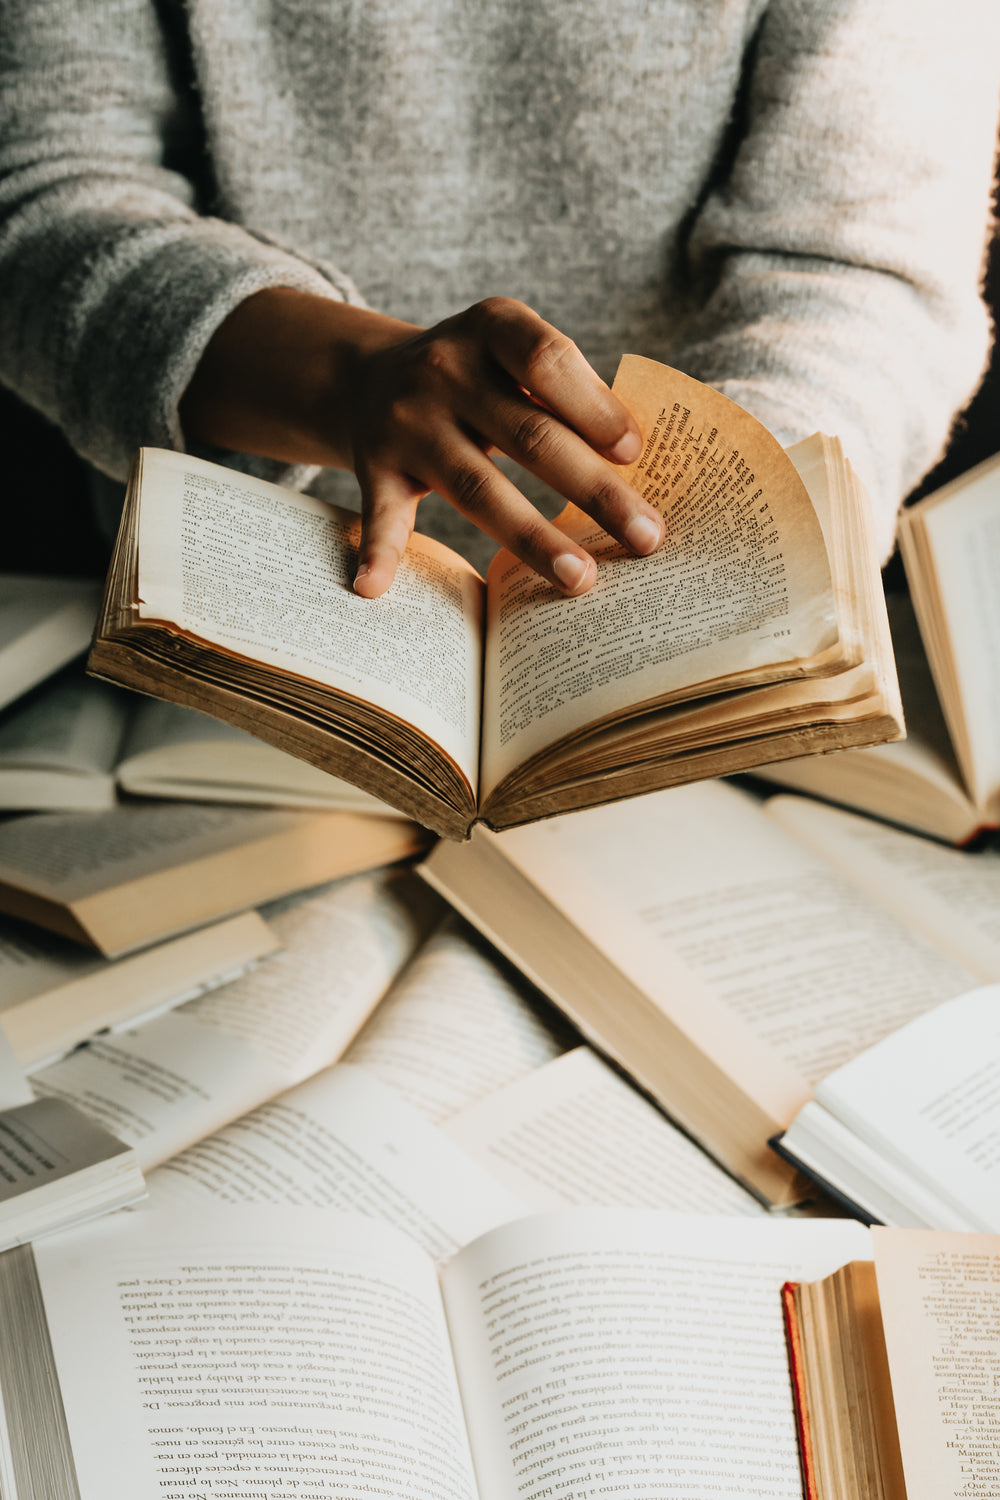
(549, 365)
(549, 449)
(484, 495)
(389, 506)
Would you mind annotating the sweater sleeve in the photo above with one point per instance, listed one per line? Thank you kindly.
(840, 256)
(111, 281)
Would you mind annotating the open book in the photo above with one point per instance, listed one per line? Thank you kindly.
(44, 623)
(758, 630)
(944, 779)
(895, 1369)
(729, 956)
(74, 743)
(909, 1132)
(54, 993)
(589, 1350)
(141, 872)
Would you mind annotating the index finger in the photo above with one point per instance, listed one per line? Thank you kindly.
(550, 367)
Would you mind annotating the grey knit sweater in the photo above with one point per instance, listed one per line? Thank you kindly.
(788, 199)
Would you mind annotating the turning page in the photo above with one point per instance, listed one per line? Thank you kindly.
(626, 1352)
(740, 588)
(574, 1132)
(240, 1352)
(940, 1301)
(455, 1027)
(266, 574)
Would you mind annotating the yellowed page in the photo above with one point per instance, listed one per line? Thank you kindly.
(741, 584)
(694, 892)
(266, 573)
(949, 896)
(940, 1299)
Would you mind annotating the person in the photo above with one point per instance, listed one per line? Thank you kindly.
(786, 199)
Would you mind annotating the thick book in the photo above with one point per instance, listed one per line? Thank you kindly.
(589, 1351)
(44, 623)
(75, 743)
(895, 1368)
(944, 779)
(909, 1132)
(758, 631)
(143, 872)
(727, 954)
(54, 994)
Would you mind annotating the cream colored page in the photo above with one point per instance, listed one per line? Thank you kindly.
(247, 1353)
(267, 573)
(344, 1140)
(928, 1099)
(940, 1300)
(633, 1353)
(795, 962)
(574, 1133)
(340, 951)
(963, 534)
(951, 896)
(66, 856)
(454, 1027)
(163, 1085)
(742, 581)
(74, 725)
(31, 964)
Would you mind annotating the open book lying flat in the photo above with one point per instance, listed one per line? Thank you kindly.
(577, 1353)
(944, 779)
(757, 632)
(74, 743)
(729, 956)
(895, 1369)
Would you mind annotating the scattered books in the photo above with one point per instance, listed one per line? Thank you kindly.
(54, 994)
(74, 743)
(895, 1367)
(337, 1352)
(908, 1134)
(944, 779)
(142, 872)
(57, 1167)
(727, 955)
(233, 596)
(44, 623)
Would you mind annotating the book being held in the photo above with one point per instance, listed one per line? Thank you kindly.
(757, 632)
(944, 779)
(895, 1369)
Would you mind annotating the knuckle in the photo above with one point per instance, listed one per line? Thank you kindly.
(497, 310)
(470, 489)
(603, 497)
(532, 437)
(548, 355)
(528, 540)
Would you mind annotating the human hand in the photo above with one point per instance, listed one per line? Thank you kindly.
(306, 379)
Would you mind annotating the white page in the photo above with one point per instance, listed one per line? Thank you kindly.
(698, 879)
(72, 724)
(453, 1028)
(573, 1132)
(14, 1087)
(635, 1353)
(163, 1085)
(283, 596)
(928, 1099)
(952, 896)
(44, 623)
(32, 962)
(344, 1140)
(341, 949)
(940, 1301)
(239, 1350)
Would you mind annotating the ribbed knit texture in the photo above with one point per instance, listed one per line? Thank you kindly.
(786, 199)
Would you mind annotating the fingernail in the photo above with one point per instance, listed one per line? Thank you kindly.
(643, 534)
(364, 568)
(569, 569)
(626, 449)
